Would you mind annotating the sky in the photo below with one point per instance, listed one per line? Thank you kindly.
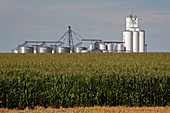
(22, 20)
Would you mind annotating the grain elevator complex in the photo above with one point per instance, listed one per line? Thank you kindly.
(71, 42)
(133, 37)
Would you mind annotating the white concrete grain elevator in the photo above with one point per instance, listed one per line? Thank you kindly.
(133, 37)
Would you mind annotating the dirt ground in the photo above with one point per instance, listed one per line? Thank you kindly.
(95, 109)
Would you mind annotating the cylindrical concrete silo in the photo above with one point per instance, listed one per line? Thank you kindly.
(142, 41)
(135, 41)
(128, 40)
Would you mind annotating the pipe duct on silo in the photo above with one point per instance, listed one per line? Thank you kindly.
(135, 41)
(142, 41)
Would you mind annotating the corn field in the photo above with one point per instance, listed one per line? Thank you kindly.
(84, 80)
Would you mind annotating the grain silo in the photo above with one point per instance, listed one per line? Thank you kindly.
(25, 48)
(120, 47)
(142, 41)
(135, 41)
(44, 48)
(128, 40)
(110, 47)
(102, 46)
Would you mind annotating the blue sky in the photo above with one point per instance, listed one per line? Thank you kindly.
(22, 20)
